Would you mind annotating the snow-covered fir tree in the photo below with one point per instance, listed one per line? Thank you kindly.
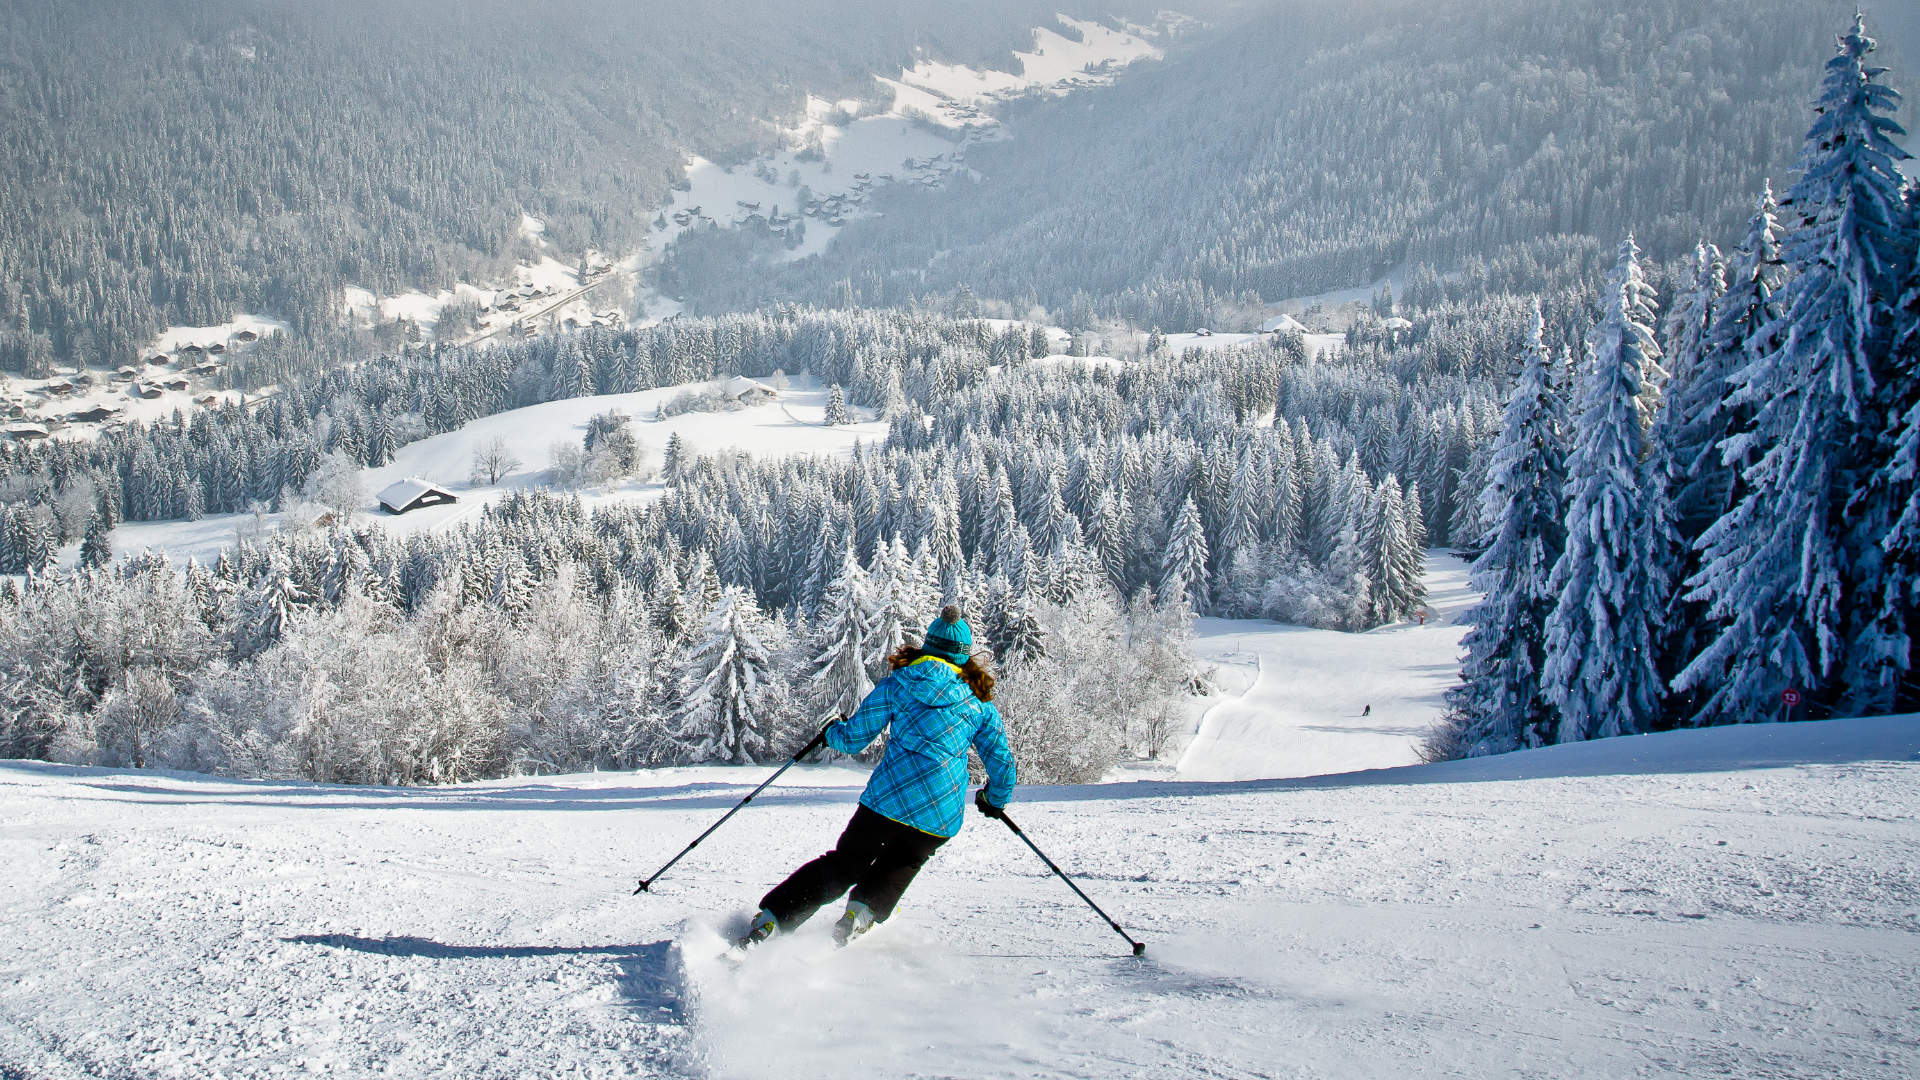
(1183, 567)
(1687, 339)
(1599, 670)
(1502, 703)
(840, 644)
(1898, 480)
(733, 704)
(837, 414)
(1393, 563)
(1792, 572)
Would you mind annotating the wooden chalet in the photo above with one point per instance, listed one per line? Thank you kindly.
(412, 494)
(1282, 324)
(749, 391)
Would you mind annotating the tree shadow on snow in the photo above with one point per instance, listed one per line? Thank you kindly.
(1669, 753)
(286, 795)
(652, 978)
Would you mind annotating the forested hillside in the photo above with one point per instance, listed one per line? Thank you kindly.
(173, 161)
(1310, 146)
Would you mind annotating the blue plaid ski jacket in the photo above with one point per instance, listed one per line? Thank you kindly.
(922, 780)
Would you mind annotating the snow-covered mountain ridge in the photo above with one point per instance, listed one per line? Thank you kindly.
(1738, 900)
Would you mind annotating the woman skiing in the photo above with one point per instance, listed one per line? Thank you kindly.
(937, 702)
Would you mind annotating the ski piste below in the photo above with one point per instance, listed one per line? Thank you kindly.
(1739, 901)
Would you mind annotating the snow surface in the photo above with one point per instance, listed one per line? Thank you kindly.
(1318, 345)
(1296, 694)
(794, 423)
(1055, 60)
(179, 337)
(1736, 901)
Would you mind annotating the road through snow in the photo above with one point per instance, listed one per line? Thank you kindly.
(1731, 902)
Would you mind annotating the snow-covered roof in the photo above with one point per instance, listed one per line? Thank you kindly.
(740, 384)
(26, 431)
(1398, 323)
(401, 495)
(1281, 324)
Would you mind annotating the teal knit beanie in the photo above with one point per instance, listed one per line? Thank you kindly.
(949, 637)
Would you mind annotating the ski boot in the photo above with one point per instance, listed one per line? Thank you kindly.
(763, 927)
(858, 920)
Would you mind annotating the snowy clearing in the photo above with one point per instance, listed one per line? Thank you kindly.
(1317, 344)
(792, 424)
(1734, 901)
(1296, 695)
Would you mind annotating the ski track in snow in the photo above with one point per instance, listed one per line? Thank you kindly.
(1733, 902)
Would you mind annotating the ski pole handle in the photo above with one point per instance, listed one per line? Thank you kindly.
(819, 739)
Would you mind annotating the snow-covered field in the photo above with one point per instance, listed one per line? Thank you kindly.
(793, 424)
(1736, 902)
(1300, 702)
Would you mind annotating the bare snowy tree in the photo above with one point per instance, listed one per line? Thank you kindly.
(494, 459)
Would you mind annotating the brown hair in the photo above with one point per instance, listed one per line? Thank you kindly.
(977, 677)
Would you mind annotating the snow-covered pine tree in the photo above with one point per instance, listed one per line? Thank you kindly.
(1392, 562)
(732, 698)
(571, 376)
(840, 649)
(1881, 617)
(1707, 482)
(270, 610)
(1501, 698)
(1788, 572)
(1183, 569)
(1600, 672)
(96, 550)
(837, 413)
(1688, 338)
(897, 602)
(1899, 480)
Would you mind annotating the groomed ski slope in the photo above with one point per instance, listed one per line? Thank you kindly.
(1295, 701)
(1739, 902)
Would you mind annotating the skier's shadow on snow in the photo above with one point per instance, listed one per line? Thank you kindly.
(652, 977)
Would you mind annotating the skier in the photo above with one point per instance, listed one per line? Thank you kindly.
(937, 702)
(1368, 711)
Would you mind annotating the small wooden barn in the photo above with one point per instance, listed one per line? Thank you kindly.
(412, 494)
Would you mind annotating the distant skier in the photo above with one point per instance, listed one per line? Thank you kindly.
(1368, 711)
(936, 701)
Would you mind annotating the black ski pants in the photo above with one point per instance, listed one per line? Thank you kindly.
(875, 856)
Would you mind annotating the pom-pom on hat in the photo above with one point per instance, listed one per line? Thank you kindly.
(949, 637)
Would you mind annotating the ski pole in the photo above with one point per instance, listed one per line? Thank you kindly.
(1139, 947)
(817, 740)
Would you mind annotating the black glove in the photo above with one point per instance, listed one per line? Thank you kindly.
(987, 808)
